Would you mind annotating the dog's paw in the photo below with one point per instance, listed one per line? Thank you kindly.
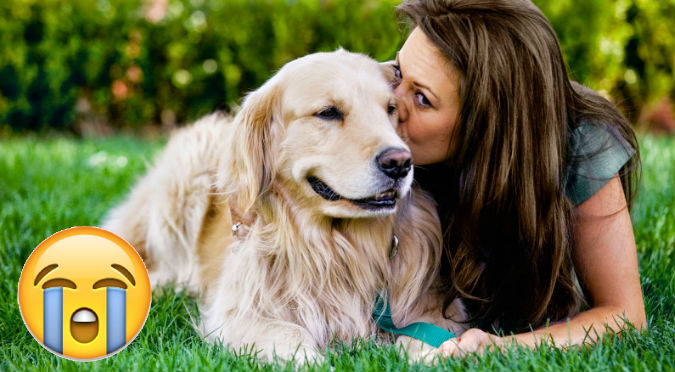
(308, 356)
(299, 355)
(418, 351)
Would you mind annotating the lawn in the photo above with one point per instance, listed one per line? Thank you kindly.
(47, 185)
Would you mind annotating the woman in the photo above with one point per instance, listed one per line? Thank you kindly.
(533, 175)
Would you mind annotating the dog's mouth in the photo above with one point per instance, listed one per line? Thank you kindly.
(383, 200)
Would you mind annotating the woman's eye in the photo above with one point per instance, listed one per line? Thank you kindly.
(330, 113)
(397, 77)
(397, 71)
(422, 100)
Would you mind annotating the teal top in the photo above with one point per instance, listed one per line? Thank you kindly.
(597, 154)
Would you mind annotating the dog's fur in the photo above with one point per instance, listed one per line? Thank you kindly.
(309, 268)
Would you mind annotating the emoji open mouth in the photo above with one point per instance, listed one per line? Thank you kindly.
(84, 325)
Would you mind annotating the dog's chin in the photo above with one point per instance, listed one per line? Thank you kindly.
(345, 210)
(335, 205)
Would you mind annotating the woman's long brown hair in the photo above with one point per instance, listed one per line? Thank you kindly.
(507, 220)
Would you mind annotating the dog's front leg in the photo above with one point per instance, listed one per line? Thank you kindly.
(269, 339)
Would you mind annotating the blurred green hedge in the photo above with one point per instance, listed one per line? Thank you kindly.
(623, 48)
(68, 61)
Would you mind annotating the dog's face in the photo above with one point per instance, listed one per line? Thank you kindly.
(325, 128)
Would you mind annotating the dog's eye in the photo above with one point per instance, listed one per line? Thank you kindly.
(330, 113)
(391, 109)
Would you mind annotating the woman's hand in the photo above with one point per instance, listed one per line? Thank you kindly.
(473, 340)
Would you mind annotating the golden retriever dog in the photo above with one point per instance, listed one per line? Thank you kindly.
(283, 217)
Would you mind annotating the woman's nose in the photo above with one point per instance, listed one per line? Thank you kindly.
(402, 104)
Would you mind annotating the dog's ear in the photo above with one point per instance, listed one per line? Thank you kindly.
(251, 164)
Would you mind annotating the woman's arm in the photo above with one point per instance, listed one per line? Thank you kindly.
(605, 258)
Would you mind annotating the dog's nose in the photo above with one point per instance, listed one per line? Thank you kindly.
(395, 162)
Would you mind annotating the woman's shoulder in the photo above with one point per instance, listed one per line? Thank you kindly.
(597, 151)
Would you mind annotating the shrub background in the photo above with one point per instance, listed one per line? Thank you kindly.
(129, 63)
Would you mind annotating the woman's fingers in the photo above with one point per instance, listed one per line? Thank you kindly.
(451, 348)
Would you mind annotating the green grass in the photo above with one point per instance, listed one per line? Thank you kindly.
(47, 185)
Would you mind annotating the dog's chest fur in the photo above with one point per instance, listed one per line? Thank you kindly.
(319, 273)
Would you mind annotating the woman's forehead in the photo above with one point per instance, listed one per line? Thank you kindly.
(422, 62)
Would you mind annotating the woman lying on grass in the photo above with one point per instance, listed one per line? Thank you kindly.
(534, 175)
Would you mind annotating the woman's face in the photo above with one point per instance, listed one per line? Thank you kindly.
(428, 99)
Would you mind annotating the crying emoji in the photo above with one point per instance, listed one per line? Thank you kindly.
(84, 293)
